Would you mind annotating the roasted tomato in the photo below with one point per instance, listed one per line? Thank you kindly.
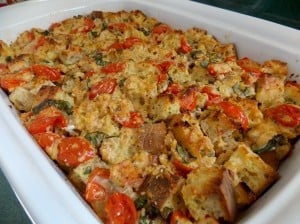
(73, 151)
(235, 112)
(120, 209)
(46, 72)
(104, 86)
(285, 114)
(47, 120)
(95, 189)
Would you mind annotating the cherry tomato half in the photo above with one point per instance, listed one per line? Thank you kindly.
(95, 191)
(47, 120)
(73, 151)
(188, 100)
(161, 28)
(46, 139)
(120, 209)
(235, 112)
(113, 68)
(44, 71)
(285, 114)
(249, 66)
(104, 86)
(184, 46)
(135, 120)
(182, 169)
(13, 80)
(213, 98)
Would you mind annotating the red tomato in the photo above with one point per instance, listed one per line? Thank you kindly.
(13, 80)
(44, 71)
(117, 46)
(46, 139)
(178, 217)
(46, 120)
(134, 121)
(184, 46)
(73, 151)
(182, 169)
(162, 77)
(126, 44)
(104, 86)
(40, 42)
(188, 100)
(10, 82)
(164, 66)
(211, 70)
(212, 97)
(113, 68)
(89, 74)
(118, 26)
(250, 66)
(285, 114)
(161, 28)
(88, 24)
(235, 112)
(173, 88)
(120, 209)
(130, 41)
(95, 191)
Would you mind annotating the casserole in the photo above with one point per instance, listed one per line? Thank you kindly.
(40, 171)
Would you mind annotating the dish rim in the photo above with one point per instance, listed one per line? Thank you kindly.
(17, 136)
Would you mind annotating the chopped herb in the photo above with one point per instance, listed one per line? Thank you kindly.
(215, 57)
(183, 153)
(237, 90)
(121, 82)
(145, 220)
(95, 138)
(45, 32)
(195, 54)
(87, 170)
(166, 212)
(99, 59)
(272, 144)
(94, 34)
(104, 26)
(152, 211)
(204, 63)
(145, 32)
(59, 104)
(140, 202)
(8, 59)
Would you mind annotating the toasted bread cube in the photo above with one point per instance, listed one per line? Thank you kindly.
(162, 189)
(188, 133)
(250, 169)
(292, 92)
(270, 91)
(210, 192)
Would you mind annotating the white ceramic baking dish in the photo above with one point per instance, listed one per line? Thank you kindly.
(44, 191)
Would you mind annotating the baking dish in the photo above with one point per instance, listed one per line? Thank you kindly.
(43, 189)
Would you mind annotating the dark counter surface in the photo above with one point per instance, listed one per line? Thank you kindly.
(286, 12)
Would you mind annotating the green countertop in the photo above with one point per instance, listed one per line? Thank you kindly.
(279, 11)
